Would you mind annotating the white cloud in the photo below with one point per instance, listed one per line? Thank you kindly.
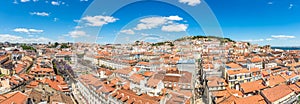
(144, 34)
(291, 6)
(77, 33)
(154, 22)
(19, 39)
(35, 31)
(175, 18)
(254, 40)
(283, 36)
(78, 27)
(9, 38)
(56, 3)
(35, 0)
(40, 13)
(174, 28)
(55, 19)
(84, 0)
(153, 38)
(28, 31)
(30, 35)
(15, 2)
(190, 2)
(25, 1)
(36, 40)
(269, 39)
(77, 21)
(100, 37)
(151, 22)
(98, 20)
(129, 31)
(270, 3)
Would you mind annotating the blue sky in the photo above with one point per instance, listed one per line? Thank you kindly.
(274, 22)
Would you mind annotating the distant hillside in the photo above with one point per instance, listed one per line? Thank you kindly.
(205, 37)
(163, 43)
(223, 40)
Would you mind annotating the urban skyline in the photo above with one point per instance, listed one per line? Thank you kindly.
(149, 52)
(269, 23)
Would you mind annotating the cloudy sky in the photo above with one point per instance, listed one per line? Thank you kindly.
(274, 22)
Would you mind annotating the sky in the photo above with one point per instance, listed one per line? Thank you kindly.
(263, 22)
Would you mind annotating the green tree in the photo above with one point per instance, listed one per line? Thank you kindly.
(56, 44)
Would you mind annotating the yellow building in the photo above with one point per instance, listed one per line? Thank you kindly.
(5, 71)
(235, 77)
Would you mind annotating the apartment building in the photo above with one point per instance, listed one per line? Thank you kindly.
(236, 77)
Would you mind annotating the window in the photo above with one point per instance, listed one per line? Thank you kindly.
(231, 78)
(232, 82)
(221, 83)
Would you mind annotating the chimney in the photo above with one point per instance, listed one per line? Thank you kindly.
(266, 82)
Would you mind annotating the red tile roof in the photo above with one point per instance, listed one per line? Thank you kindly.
(107, 71)
(129, 96)
(4, 57)
(123, 71)
(295, 88)
(233, 72)
(63, 53)
(171, 79)
(39, 70)
(143, 63)
(233, 65)
(252, 86)
(256, 59)
(15, 98)
(19, 68)
(152, 82)
(274, 80)
(258, 99)
(276, 93)
(32, 84)
(227, 100)
(216, 81)
(254, 69)
(105, 88)
(57, 84)
(177, 98)
(148, 73)
(90, 79)
(136, 78)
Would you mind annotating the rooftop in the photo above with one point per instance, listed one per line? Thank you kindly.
(258, 99)
(241, 71)
(14, 98)
(276, 93)
(252, 86)
(233, 65)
